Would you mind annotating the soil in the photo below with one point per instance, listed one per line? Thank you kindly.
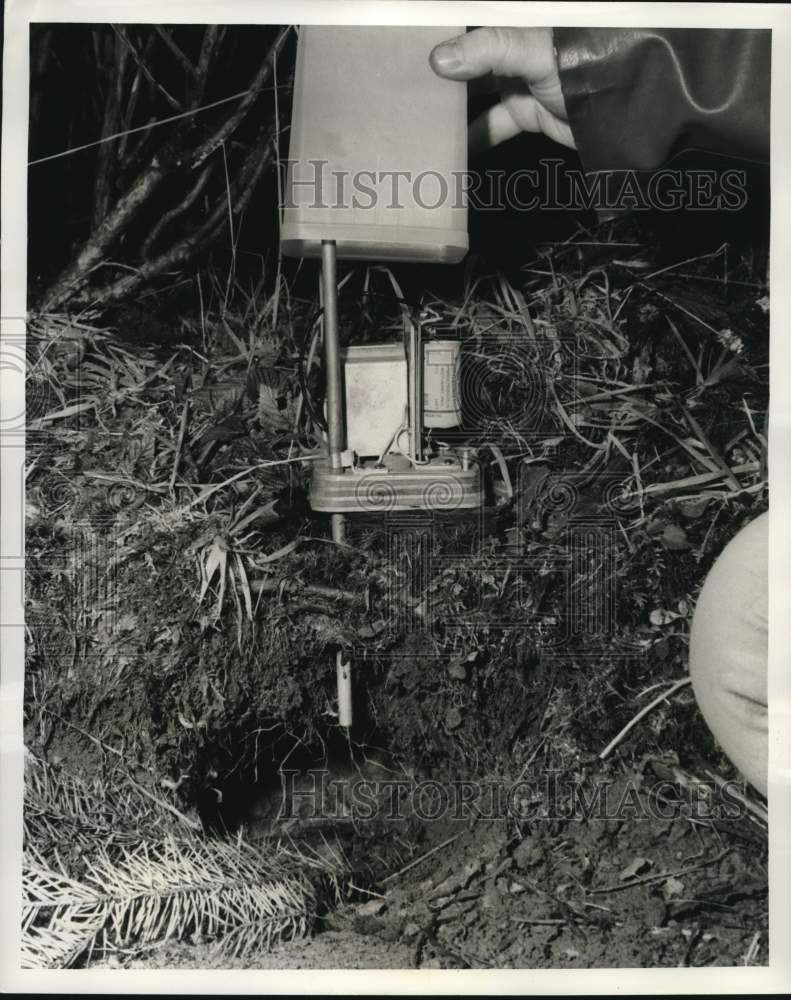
(176, 642)
(668, 884)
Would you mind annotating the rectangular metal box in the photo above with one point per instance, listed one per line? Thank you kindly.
(375, 377)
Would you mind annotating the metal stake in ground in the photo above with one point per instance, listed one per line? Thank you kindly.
(335, 433)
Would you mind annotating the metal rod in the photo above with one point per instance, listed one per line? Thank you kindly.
(332, 355)
(343, 667)
(343, 671)
(414, 374)
(335, 439)
(338, 523)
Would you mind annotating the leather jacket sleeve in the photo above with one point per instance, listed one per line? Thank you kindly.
(636, 97)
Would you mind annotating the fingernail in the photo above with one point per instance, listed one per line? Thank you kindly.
(446, 58)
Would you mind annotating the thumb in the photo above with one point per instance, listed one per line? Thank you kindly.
(523, 52)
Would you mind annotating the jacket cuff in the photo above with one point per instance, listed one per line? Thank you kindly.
(637, 96)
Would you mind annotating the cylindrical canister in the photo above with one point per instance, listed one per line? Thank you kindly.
(378, 147)
(442, 383)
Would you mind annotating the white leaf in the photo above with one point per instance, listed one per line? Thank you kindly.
(659, 616)
(635, 868)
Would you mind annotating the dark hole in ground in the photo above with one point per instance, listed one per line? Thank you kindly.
(305, 781)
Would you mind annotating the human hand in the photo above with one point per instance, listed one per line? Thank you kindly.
(522, 61)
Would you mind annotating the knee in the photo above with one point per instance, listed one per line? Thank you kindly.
(729, 650)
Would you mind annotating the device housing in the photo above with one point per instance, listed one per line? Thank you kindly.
(377, 148)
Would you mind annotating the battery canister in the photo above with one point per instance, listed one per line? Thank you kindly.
(442, 383)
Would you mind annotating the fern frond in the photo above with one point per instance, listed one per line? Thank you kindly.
(136, 883)
(60, 916)
(198, 889)
(185, 890)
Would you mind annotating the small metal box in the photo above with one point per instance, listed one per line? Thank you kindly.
(375, 378)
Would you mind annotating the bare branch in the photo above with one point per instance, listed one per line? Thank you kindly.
(75, 280)
(257, 161)
(174, 48)
(147, 72)
(174, 213)
(211, 41)
(231, 123)
(106, 156)
(134, 94)
(126, 208)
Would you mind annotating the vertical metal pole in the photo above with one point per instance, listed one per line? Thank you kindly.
(343, 667)
(415, 376)
(335, 440)
(332, 354)
(332, 359)
(343, 673)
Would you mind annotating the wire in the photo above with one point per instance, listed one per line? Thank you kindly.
(302, 374)
(160, 121)
(314, 412)
(410, 308)
(402, 426)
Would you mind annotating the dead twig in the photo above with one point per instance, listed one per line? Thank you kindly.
(179, 445)
(752, 951)
(716, 456)
(661, 876)
(548, 922)
(423, 857)
(176, 105)
(267, 586)
(641, 715)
